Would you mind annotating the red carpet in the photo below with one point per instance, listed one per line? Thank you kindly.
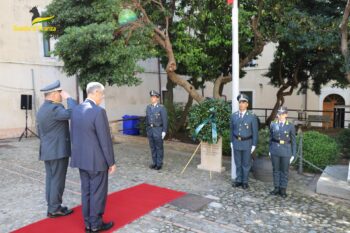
(122, 207)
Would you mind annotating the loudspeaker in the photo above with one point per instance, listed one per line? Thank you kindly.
(26, 102)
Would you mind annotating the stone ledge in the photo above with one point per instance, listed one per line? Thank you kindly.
(335, 184)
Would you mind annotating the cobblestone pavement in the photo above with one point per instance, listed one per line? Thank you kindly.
(22, 198)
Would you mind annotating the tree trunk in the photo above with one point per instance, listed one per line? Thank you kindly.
(186, 85)
(279, 102)
(169, 103)
(184, 114)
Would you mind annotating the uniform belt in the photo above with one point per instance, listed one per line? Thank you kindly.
(239, 138)
(281, 141)
(154, 125)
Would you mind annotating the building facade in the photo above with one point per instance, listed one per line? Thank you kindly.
(26, 65)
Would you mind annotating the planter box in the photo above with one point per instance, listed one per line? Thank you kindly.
(262, 169)
(211, 157)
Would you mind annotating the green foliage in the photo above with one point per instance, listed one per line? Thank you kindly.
(226, 143)
(173, 116)
(88, 46)
(319, 149)
(262, 148)
(308, 47)
(200, 112)
(343, 139)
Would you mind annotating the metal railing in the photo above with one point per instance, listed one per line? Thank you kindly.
(339, 117)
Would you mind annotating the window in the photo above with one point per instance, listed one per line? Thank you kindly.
(46, 43)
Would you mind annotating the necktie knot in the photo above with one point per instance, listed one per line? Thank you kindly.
(240, 115)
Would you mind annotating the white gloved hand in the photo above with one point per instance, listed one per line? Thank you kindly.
(231, 146)
(253, 149)
(163, 135)
(269, 154)
(291, 159)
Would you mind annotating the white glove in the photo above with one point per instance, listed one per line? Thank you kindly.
(253, 149)
(231, 146)
(291, 159)
(163, 135)
(269, 154)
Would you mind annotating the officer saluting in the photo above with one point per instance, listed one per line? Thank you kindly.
(156, 126)
(53, 129)
(244, 138)
(282, 150)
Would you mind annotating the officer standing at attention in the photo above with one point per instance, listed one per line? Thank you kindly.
(244, 138)
(282, 151)
(156, 127)
(55, 149)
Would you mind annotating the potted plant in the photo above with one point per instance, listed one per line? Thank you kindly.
(262, 166)
(207, 122)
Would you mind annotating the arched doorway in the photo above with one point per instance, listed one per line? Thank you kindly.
(337, 116)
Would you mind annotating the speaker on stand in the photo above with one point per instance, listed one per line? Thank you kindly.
(26, 104)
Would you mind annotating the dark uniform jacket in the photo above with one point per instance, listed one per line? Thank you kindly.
(156, 120)
(53, 129)
(242, 128)
(282, 139)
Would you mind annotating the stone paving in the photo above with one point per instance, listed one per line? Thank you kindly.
(22, 198)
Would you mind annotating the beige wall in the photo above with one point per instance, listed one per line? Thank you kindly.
(23, 68)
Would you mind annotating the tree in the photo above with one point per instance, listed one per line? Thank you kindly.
(308, 55)
(88, 45)
(344, 32)
(94, 47)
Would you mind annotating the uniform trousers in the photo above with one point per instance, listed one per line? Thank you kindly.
(280, 166)
(243, 164)
(56, 171)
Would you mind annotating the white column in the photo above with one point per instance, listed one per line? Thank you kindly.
(235, 70)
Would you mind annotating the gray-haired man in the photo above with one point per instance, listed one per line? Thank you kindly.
(92, 153)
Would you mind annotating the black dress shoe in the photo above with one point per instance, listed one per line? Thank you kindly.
(245, 186)
(158, 167)
(236, 184)
(63, 211)
(276, 191)
(152, 166)
(283, 193)
(103, 227)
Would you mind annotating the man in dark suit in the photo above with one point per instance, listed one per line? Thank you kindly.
(244, 138)
(92, 153)
(53, 129)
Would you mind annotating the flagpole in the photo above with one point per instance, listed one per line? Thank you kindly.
(235, 72)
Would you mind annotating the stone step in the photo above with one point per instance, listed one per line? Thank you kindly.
(333, 182)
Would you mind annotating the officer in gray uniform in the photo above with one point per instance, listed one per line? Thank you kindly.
(244, 138)
(156, 126)
(53, 129)
(282, 151)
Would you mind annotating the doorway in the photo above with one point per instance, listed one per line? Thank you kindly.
(336, 114)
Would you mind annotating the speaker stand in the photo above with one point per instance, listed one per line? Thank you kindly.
(26, 129)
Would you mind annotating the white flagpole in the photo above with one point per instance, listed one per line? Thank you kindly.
(235, 71)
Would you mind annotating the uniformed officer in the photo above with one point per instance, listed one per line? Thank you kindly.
(282, 151)
(53, 129)
(156, 126)
(244, 138)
